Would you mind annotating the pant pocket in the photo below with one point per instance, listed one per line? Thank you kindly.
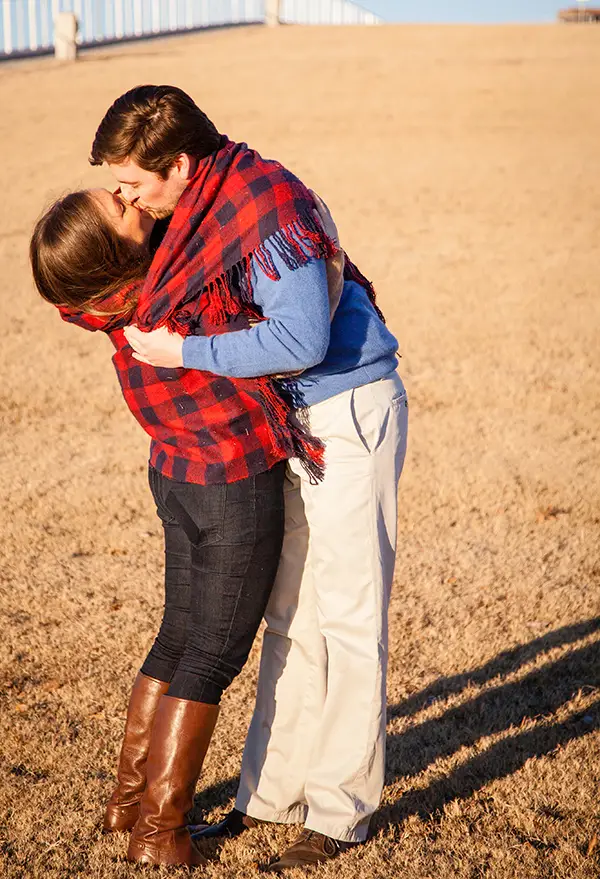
(199, 510)
(159, 490)
(369, 419)
(400, 401)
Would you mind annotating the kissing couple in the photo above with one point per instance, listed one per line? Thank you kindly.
(249, 347)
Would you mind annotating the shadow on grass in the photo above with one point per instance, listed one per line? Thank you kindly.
(539, 694)
(496, 762)
(536, 696)
(506, 662)
(212, 797)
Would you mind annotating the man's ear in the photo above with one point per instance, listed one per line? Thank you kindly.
(185, 166)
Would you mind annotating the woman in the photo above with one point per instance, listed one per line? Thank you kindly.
(217, 464)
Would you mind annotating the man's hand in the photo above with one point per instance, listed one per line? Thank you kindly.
(158, 348)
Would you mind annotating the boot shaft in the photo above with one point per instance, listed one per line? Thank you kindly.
(141, 711)
(122, 810)
(180, 738)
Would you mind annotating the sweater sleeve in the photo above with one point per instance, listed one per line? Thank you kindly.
(294, 337)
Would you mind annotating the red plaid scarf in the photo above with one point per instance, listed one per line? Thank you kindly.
(207, 428)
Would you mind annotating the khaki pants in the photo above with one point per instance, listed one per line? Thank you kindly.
(315, 750)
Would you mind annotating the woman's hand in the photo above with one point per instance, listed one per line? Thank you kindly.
(158, 347)
(335, 264)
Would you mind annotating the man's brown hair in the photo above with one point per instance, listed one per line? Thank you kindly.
(153, 125)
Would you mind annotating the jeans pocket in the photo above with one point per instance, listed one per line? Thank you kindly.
(159, 491)
(199, 510)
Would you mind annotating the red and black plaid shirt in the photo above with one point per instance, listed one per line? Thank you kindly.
(206, 428)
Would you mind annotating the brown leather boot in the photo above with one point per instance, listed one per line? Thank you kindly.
(124, 805)
(180, 737)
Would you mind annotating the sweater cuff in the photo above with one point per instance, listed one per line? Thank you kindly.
(191, 352)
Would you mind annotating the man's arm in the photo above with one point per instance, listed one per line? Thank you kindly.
(294, 337)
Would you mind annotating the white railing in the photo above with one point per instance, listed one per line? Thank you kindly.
(325, 12)
(27, 26)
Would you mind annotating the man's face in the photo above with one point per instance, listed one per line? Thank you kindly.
(149, 192)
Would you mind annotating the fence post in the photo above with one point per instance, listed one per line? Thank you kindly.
(272, 8)
(65, 36)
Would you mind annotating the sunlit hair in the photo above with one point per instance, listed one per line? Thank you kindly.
(153, 125)
(78, 259)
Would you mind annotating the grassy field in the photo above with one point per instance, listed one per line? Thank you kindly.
(460, 164)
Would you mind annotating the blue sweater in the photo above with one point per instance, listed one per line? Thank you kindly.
(354, 349)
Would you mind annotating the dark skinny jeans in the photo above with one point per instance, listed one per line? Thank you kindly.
(222, 548)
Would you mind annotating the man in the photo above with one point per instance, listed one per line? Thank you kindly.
(315, 749)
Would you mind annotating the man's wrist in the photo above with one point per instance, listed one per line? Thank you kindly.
(185, 353)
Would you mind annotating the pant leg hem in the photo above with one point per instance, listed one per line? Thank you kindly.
(343, 833)
(160, 671)
(293, 815)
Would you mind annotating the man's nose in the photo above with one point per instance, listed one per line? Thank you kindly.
(128, 193)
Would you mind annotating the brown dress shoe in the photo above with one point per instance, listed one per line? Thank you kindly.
(232, 825)
(124, 805)
(180, 737)
(309, 849)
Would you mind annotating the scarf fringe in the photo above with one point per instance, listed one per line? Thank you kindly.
(296, 244)
(231, 294)
(309, 450)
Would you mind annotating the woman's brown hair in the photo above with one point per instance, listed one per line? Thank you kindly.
(78, 259)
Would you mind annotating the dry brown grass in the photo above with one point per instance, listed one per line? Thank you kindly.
(460, 163)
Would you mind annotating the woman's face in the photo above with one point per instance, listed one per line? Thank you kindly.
(128, 221)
